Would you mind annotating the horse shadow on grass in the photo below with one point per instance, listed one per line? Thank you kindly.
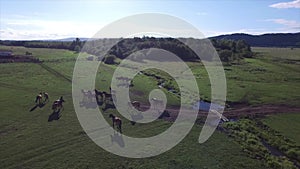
(118, 138)
(56, 114)
(88, 105)
(135, 118)
(37, 105)
(164, 114)
(91, 103)
(108, 106)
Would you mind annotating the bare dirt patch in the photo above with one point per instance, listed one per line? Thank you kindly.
(237, 111)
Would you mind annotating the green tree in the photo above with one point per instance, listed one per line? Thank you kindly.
(110, 59)
(225, 55)
(77, 48)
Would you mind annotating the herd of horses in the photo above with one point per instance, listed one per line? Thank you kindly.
(105, 97)
(43, 97)
(90, 95)
(56, 105)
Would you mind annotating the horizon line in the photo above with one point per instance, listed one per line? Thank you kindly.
(228, 34)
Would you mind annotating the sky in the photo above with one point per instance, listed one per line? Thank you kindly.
(57, 19)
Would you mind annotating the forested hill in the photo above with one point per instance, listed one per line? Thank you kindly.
(266, 40)
(229, 50)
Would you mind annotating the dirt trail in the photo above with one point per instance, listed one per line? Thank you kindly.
(238, 111)
(260, 110)
(55, 73)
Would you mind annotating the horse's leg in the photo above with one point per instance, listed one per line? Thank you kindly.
(120, 126)
(106, 100)
(97, 97)
(113, 123)
(61, 107)
(114, 98)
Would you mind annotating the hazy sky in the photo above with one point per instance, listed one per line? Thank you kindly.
(57, 19)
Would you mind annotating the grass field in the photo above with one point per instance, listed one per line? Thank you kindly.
(287, 124)
(28, 140)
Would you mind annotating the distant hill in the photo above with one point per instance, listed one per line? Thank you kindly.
(266, 40)
(68, 39)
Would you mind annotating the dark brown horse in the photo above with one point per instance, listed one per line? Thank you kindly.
(97, 94)
(57, 104)
(109, 96)
(136, 104)
(117, 121)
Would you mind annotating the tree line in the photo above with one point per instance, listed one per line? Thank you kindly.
(228, 50)
(74, 45)
(110, 49)
(266, 40)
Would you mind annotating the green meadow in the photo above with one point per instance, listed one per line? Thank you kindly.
(29, 140)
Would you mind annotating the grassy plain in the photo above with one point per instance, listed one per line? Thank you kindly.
(287, 124)
(28, 140)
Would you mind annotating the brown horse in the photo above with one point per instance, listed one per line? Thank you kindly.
(46, 96)
(57, 104)
(117, 121)
(135, 104)
(38, 98)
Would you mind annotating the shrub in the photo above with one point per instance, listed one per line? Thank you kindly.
(110, 59)
(251, 141)
(293, 153)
